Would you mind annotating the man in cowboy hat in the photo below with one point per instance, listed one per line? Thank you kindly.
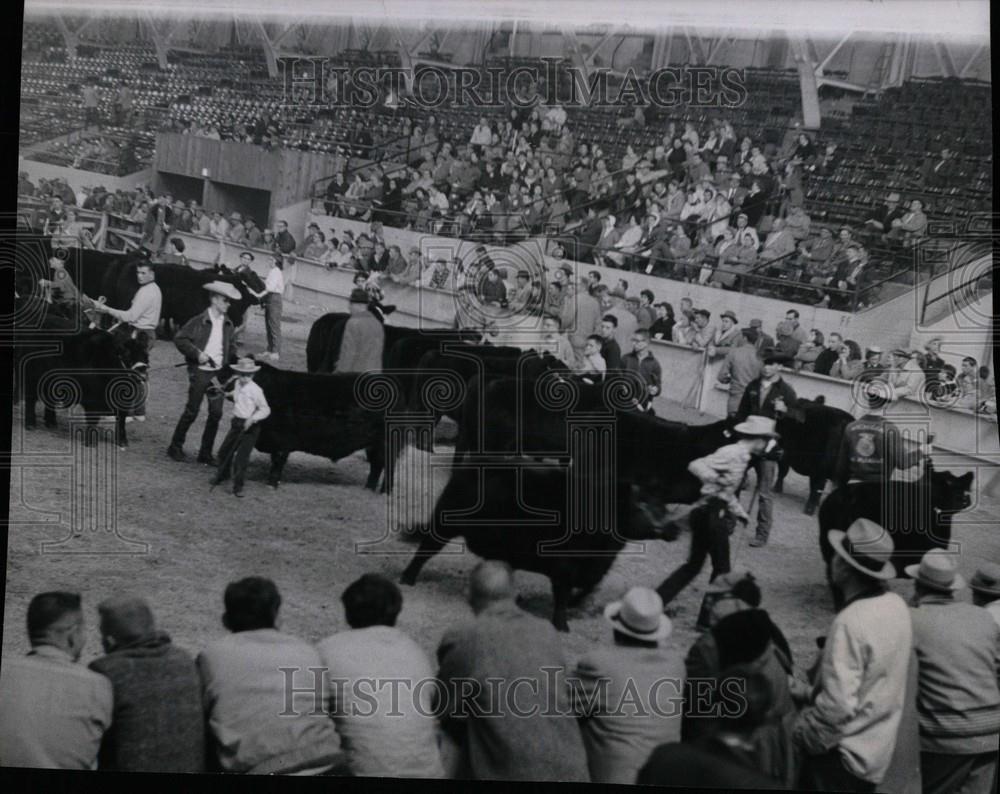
(250, 408)
(848, 733)
(769, 396)
(617, 741)
(985, 586)
(958, 653)
(143, 315)
(721, 474)
(206, 341)
(363, 340)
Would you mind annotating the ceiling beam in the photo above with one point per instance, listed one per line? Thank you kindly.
(972, 59)
(714, 49)
(945, 60)
(830, 55)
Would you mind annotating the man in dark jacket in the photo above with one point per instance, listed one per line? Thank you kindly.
(872, 446)
(768, 396)
(284, 239)
(158, 724)
(829, 354)
(206, 341)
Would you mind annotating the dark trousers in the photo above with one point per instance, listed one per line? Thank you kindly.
(944, 773)
(140, 410)
(827, 773)
(705, 542)
(272, 319)
(200, 380)
(234, 454)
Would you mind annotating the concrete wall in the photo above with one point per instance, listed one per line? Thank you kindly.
(77, 179)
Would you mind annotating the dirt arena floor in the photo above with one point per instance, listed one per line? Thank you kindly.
(305, 536)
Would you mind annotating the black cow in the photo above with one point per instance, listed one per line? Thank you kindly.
(325, 415)
(98, 370)
(402, 350)
(182, 289)
(540, 419)
(543, 519)
(811, 433)
(31, 254)
(916, 514)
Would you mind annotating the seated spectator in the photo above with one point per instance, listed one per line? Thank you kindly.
(492, 288)
(880, 221)
(505, 641)
(316, 247)
(55, 711)
(829, 354)
(809, 351)
(848, 365)
(702, 332)
(258, 723)
(778, 246)
(592, 363)
(619, 740)
(663, 325)
(969, 385)
(727, 336)
(157, 724)
(174, 252)
(236, 232)
(387, 731)
(911, 227)
(815, 257)
(798, 223)
(943, 390)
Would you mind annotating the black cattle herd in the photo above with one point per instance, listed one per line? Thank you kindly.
(534, 442)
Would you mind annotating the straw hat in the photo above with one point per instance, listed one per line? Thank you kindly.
(245, 366)
(866, 547)
(640, 615)
(222, 288)
(987, 579)
(937, 570)
(757, 426)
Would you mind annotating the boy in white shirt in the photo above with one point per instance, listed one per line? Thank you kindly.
(250, 408)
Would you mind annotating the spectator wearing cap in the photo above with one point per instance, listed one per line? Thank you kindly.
(383, 735)
(312, 235)
(985, 586)
(790, 335)
(262, 719)
(727, 336)
(741, 366)
(958, 654)
(237, 231)
(905, 376)
(728, 759)
(157, 724)
(55, 711)
(619, 738)
(363, 340)
(768, 396)
(764, 340)
(702, 331)
(206, 342)
(848, 732)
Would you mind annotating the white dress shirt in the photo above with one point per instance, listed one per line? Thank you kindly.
(213, 348)
(275, 281)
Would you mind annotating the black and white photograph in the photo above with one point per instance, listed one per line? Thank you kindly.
(425, 392)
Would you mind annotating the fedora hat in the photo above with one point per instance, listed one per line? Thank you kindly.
(245, 366)
(222, 288)
(866, 547)
(730, 314)
(640, 615)
(757, 426)
(937, 570)
(987, 579)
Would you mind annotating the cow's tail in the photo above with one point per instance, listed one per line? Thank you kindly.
(419, 480)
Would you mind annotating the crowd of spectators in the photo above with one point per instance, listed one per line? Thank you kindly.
(368, 701)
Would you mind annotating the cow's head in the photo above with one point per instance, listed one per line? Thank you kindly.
(951, 493)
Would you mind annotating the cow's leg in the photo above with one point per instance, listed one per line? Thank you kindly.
(30, 398)
(278, 461)
(376, 463)
(430, 545)
(816, 486)
(49, 417)
(779, 483)
(121, 436)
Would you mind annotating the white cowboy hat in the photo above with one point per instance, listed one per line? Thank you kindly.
(640, 615)
(937, 570)
(245, 366)
(866, 547)
(986, 580)
(222, 288)
(757, 426)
